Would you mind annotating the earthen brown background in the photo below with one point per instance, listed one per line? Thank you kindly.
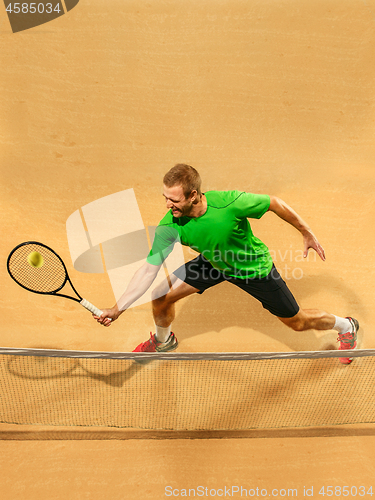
(272, 96)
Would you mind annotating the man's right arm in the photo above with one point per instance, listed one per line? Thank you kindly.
(139, 284)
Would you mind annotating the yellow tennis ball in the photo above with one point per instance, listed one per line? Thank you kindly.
(35, 259)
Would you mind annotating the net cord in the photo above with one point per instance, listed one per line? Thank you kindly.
(210, 356)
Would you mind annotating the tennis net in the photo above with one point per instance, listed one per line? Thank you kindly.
(186, 391)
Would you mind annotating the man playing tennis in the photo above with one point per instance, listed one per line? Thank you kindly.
(216, 225)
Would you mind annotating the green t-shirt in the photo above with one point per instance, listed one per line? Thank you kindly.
(222, 234)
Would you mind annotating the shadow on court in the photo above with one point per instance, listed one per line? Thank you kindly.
(47, 368)
(226, 306)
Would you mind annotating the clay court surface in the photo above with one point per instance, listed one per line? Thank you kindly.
(273, 96)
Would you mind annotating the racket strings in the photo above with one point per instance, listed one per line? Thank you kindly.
(48, 278)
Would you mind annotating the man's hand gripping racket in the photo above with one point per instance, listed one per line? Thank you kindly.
(39, 269)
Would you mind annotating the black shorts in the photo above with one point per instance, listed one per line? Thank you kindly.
(271, 290)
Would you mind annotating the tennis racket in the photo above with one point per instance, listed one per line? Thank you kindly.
(48, 276)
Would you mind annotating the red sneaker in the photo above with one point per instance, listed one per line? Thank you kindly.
(152, 345)
(348, 340)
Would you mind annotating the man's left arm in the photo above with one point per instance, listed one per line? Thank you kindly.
(285, 212)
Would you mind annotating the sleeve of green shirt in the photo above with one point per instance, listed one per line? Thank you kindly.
(252, 205)
(164, 241)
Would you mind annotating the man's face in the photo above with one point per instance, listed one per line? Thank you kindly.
(176, 201)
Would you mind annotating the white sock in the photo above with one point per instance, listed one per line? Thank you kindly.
(162, 334)
(342, 325)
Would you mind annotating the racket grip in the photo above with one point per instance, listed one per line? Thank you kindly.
(85, 303)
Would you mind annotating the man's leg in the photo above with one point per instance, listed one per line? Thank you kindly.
(307, 319)
(195, 276)
(164, 298)
(275, 296)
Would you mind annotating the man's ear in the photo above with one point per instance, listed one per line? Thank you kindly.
(193, 195)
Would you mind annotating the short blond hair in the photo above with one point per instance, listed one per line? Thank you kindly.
(186, 177)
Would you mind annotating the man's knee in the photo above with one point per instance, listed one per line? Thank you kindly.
(296, 323)
(164, 294)
(298, 326)
(158, 296)
(160, 292)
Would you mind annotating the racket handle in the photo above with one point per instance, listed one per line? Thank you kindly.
(85, 303)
